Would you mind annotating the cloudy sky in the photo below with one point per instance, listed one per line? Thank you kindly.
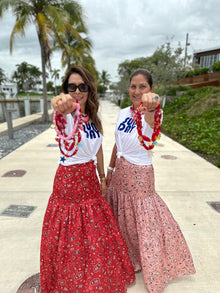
(123, 30)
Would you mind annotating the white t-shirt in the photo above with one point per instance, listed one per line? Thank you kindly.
(127, 142)
(89, 145)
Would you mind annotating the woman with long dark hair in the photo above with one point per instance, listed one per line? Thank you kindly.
(82, 250)
(155, 242)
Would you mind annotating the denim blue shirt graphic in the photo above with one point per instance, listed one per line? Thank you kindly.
(90, 130)
(91, 141)
(127, 125)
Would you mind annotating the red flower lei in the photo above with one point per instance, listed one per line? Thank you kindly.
(74, 136)
(156, 131)
(85, 118)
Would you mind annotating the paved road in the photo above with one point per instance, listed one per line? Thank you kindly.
(185, 181)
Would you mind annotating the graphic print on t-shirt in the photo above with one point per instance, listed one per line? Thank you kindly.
(90, 130)
(127, 125)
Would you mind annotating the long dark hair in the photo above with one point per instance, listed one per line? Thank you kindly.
(92, 103)
(145, 73)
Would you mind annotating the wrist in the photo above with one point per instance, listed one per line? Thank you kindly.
(102, 180)
(110, 169)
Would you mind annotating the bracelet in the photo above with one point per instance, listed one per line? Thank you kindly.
(110, 169)
(101, 175)
(151, 111)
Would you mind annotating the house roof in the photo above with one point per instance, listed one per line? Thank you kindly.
(207, 50)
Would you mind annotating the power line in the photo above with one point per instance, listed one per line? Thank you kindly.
(204, 40)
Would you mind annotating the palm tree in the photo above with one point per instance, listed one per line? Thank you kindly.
(52, 19)
(105, 78)
(21, 75)
(3, 77)
(55, 75)
(76, 51)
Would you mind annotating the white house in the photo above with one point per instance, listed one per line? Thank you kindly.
(9, 89)
(206, 58)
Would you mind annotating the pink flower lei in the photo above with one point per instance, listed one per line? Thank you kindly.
(74, 136)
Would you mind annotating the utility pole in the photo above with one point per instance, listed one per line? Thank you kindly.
(187, 44)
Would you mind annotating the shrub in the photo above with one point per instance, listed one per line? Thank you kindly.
(216, 66)
(204, 70)
(198, 71)
(190, 73)
(193, 120)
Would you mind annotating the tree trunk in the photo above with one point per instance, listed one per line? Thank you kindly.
(69, 63)
(45, 116)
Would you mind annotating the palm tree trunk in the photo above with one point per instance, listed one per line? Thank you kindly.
(55, 86)
(45, 116)
(69, 63)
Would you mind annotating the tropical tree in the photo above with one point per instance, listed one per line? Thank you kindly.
(3, 77)
(76, 51)
(50, 86)
(81, 55)
(55, 75)
(26, 76)
(52, 18)
(104, 80)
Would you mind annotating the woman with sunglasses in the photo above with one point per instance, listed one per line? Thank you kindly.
(82, 249)
(155, 242)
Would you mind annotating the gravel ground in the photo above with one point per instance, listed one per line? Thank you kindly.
(20, 137)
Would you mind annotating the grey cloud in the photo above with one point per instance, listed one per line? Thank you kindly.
(128, 29)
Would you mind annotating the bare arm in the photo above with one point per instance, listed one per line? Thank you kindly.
(111, 164)
(100, 168)
(149, 118)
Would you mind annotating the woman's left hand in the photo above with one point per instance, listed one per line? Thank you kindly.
(150, 102)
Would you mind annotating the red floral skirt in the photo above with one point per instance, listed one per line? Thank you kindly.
(153, 237)
(82, 250)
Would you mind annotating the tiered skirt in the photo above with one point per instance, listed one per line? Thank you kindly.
(82, 250)
(153, 237)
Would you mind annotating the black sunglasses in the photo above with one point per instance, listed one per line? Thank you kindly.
(83, 87)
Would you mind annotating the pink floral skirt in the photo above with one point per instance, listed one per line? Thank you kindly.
(82, 250)
(154, 239)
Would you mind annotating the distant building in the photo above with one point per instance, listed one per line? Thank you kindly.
(206, 58)
(9, 89)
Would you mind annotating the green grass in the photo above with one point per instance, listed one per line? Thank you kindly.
(193, 119)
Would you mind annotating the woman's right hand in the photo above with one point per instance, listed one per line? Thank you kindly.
(108, 178)
(63, 104)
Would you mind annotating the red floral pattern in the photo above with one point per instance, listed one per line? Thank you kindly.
(154, 239)
(82, 250)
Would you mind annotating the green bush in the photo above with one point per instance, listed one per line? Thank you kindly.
(198, 71)
(204, 70)
(216, 66)
(190, 73)
(172, 90)
(193, 120)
